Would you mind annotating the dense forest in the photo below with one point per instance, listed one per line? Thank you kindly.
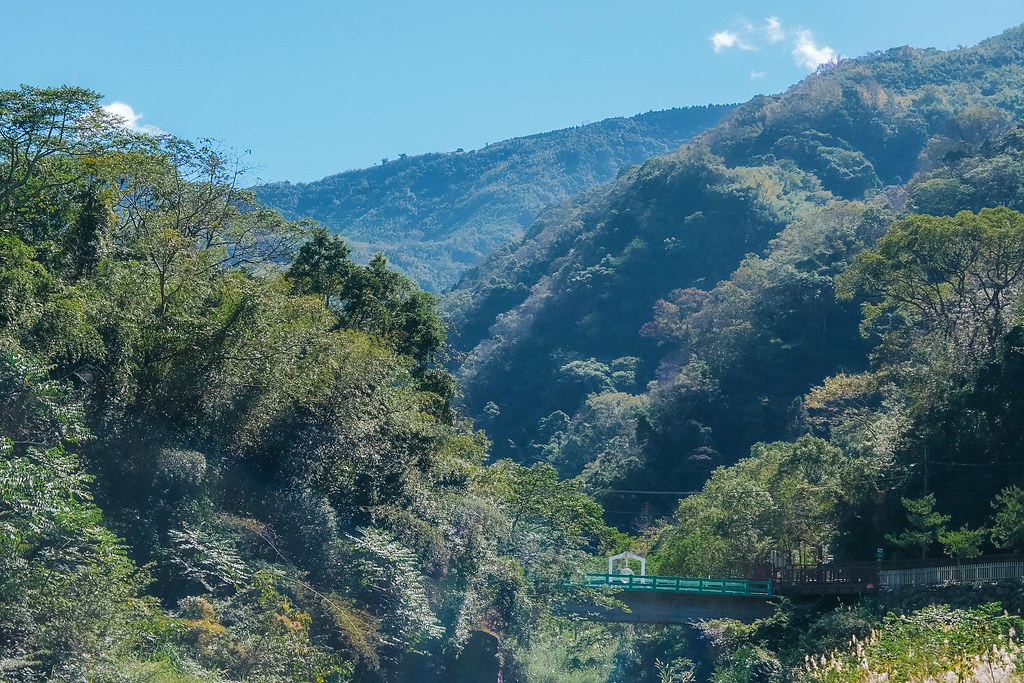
(810, 315)
(228, 451)
(661, 325)
(231, 450)
(436, 215)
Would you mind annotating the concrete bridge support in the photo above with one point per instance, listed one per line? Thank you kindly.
(679, 608)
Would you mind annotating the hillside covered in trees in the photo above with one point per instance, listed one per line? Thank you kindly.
(661, 325)
(435, 215)
(798, 337)
(231, 451)
(226, 450)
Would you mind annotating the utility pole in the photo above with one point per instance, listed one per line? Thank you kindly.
(926, 468)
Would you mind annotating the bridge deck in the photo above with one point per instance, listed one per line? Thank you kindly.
(681, 584)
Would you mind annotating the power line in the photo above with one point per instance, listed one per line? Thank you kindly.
(660, 493)
(894, 478)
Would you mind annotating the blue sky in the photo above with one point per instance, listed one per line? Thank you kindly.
(316, 87)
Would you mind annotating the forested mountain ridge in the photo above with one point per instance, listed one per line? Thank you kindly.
(231, 452)
(435, 215)
(710, 270)
(801, 335)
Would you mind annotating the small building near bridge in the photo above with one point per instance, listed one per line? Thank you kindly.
(623, 560)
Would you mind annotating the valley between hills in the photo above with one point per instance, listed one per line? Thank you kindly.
(391, 425)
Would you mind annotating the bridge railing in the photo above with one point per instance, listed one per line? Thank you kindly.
(681, 584)
(826, 579)
(964, 573)
(848, 572)
(854, 576)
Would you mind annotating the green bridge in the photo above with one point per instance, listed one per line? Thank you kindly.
(681, 584)
(683, 599)
(677, 599)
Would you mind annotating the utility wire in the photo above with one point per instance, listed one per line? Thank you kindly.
(894, 478)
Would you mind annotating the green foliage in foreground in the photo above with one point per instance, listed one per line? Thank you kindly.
(570, 652)
(934, 643)
(226, 451)
(581, 652)
(819, 642)
(68, 592)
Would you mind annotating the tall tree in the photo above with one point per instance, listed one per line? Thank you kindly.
(42, 132)
(926, 525)
(955, 277)
(322, 267)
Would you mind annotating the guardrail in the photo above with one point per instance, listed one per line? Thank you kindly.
(681, 584)
(823, 579)
(965, 573)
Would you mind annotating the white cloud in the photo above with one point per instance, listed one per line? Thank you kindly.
(800, 43)
(724, 39)
(130, 119)
(773, 30)
(809, 54)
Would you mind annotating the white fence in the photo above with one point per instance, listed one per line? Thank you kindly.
(968, 573)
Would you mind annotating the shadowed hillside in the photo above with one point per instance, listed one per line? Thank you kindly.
(681, 312)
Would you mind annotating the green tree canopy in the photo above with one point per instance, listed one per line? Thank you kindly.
(1008, 519)
(955, 277)
(786, 497)
(926, 525)
(371, 298)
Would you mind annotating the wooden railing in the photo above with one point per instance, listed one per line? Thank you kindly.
(681, 584)
(848, 572)
(827, 579)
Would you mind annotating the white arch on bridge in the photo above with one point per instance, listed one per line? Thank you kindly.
(627, 556)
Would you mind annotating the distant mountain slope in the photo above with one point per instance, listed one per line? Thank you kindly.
(435, 215)
(724, 252)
